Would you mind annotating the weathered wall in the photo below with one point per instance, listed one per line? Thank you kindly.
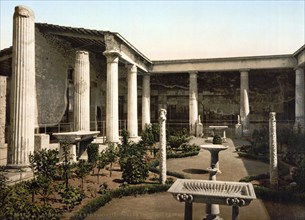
(3, 145)
(219, 95)
(51, 80)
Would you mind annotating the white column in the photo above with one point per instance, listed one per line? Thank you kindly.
(299, 125)
(273, 150)
(244, 101)
(193, 102)
(132, 102)
(3, 83)
(112, 99)
(82, 92)
(162, 122)
(23, 91)
(146, 101)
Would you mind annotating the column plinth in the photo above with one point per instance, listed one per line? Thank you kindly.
(82, 92)
(146, 101)
(112, 99)
(23, 90)
(193, 102)
(299, 125)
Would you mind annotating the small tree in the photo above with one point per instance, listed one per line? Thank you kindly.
(43, 164)
(111, 155)
(101, 163)
(66, 165)
(82, 170)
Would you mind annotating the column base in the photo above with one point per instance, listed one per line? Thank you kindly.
(15, 175)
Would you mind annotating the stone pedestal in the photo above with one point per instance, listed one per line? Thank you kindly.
(82, 92)
(23, 91)
(42, 141)
(199, 128)
(299, 125)
(146, 101)
(273, 150)
(244, 102)
(193, 102)
(132, 102)
(238, 131)
(162, 121)
(112, 99)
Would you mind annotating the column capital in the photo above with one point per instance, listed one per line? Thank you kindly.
(82, 52)
(131, 67)
(193, 72)
(112, 55)
(23, 11)
(299, 70)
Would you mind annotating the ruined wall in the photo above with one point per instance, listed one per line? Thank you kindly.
(51, 80)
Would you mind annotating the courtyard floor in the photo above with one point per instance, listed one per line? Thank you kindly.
(164, 206)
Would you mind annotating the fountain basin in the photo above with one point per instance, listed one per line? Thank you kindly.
(75, 136)
(213, 192)
(214, 147)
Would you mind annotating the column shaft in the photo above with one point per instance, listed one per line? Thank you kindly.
(299, 125)
(146, 101)
(273, 150)
(112, 99)
(3, 83)
(244, 101)
(162, 123)
(193, 102)
(23, 91)
(82, 92)
(132, 102)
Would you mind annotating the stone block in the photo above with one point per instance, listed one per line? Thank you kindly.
(42, 141)
(3, 155)
(199, 130)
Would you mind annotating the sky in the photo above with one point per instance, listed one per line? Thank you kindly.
(176, 29)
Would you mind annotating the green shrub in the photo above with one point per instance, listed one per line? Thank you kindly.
(189, 148)
(300, 177)
(177, 139)
(93, 153)
(82, 170)
(217, 139)
(71, 197)
(135, 169)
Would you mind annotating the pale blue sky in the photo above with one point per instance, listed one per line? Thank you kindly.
(179, 29)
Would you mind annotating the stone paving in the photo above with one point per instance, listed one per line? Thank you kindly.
(164, 206)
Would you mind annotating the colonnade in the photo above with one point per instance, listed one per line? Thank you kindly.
(23, 114)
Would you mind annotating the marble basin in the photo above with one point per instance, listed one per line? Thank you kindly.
(213, 192)
(75, 136)
(214, 147)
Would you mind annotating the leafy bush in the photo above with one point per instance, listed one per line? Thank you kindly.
(71, 197)
(93, 154)
(300, 177)
(260, 142)
(177, 139)
(135, 169)
(217, 139)
(189, 148)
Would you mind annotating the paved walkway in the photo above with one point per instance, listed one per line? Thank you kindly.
(164, 206)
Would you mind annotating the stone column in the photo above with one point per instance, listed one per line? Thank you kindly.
(299, 124)
(193, 103)
(23, 91)
(82, 92)
(273, 150)
(112, 99)
(3, 83)
(146, 101)
(162, 121)
(132, 102)
(244, 102)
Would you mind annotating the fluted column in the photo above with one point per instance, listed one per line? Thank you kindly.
(244, 101)
(193, 102)
(23, 91)
(132, 102)
(82, 92)
(146, 101)
(299, 125)
(112, 99)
